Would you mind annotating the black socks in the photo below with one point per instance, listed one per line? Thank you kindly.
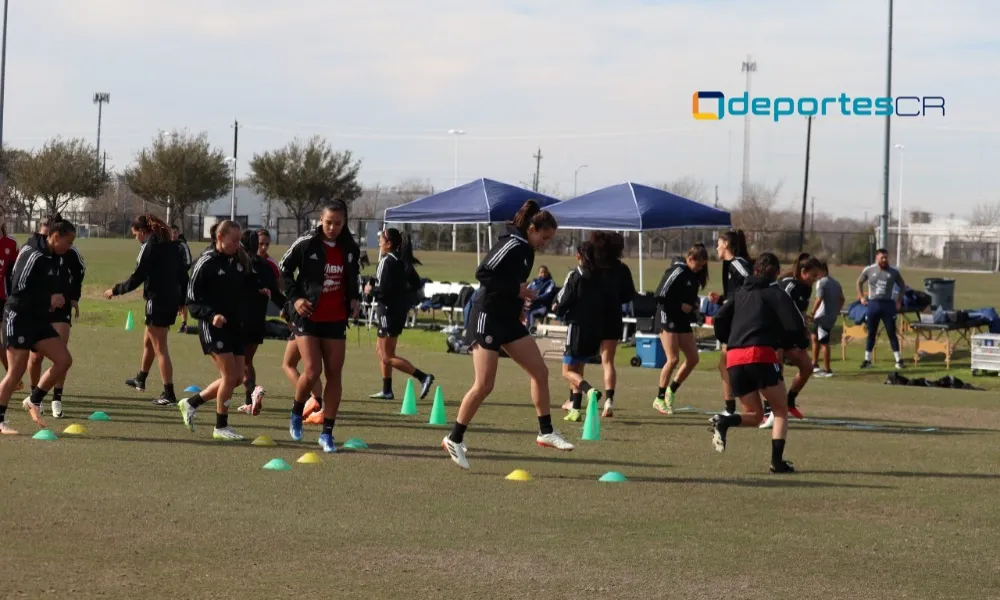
(733, 420)
(585, 387)
(328, 426)
(457, 434)
(387, 386)
(221, 421)
(674, 385)
(168, 390)
(298, 408)
(3, 413)
(419, 375)
(610, 395)
(661, 393)
(777, 451)
(792, 395)
(545, 424)
(577, 399)
(37, 395)
(196, 401)
(731, 406)
(140, 378)
(57, 394)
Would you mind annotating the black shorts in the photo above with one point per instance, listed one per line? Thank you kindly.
(747, 379)
(672, 323)
(22, 332)
(391, 321)
(161, 313)
(490, 333)
(336, 330)
(822, 332)
(220, 340)
(61, 315)
(580, 343)
(612, 328)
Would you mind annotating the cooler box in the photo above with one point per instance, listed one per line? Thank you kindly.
(649, 351)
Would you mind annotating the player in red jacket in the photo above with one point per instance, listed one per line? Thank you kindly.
(8, 254)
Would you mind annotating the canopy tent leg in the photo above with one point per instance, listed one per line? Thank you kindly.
(642, 288)
(489, 235)
(478, 246)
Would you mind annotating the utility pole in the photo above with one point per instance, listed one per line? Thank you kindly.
(538, 168)
(716, 196)
(100, 99)
(236, 145)
(812, 215)
(749, 67)
(884, 225)
(104, 166)
(805, 184)
(3, 70)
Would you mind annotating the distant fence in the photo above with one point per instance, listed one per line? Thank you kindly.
(957, 251)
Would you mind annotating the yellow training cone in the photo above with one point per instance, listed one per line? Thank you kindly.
(75, 429)
(263, 440)
(518, 475)
(309, 458)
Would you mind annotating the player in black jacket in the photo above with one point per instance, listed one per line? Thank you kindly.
(732, 251)
(497, 321)
(396, 284)
(580, 305)
(677, 307)
(157, 269)
(319, 273)
(256, 317)
(70, 271)
(221, 288)
(619, 290)
(33, 295)
(756, 320)
(185, 251)
(797, 283)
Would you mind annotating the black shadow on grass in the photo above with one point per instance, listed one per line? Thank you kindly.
(776, 481)
(916, 474)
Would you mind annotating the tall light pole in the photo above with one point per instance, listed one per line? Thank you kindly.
(3, 70)
(236, 143)
(575, 173)
(749, 67)
(454, 228)
(884, 225)
(100, 99)
(805, 184)
(231, 161)
(899, 223)
(173, 139)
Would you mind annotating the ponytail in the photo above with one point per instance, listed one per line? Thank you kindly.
(699, 253)
(406, 253)
(587, 254)
(151, 224)
(531, 214)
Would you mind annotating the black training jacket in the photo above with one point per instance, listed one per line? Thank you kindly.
(797, 291)
(184, 266)
(581, 299)
(759, 314)
(507, 265)
(678, 286)
(34, 280)
(261, 277)
(220, 285)
(619, 289)
(734, 272)
(156, 269)
(70, 269)
(395, 283)
(303, 268)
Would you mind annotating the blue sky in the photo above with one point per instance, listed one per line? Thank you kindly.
(602, 83)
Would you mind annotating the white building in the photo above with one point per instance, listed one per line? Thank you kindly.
(951, 239)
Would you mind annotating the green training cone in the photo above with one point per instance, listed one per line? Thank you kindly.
(99, 416)
(355, 444)
(409, 400)
(613, 477)
(45, 435)
(438, 414)
(129, 323)
(277, 464)
(592, 425)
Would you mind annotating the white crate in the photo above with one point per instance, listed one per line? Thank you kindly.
(986, 352)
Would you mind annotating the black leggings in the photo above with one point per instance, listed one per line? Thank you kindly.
(884, 311)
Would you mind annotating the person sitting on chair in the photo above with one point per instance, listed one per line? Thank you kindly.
(545, 288)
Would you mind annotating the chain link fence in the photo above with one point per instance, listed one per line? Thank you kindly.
(969, 250)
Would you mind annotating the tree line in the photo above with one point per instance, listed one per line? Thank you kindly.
(179, 173)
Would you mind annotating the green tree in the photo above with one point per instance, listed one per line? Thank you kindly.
(58, 173)
(305, 175)
(179, 173)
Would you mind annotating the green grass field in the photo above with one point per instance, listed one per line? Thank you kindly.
(140, 508)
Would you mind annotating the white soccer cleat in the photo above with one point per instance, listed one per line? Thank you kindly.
(246, 409)
(609, 409)
(768, 422)
(6, 429)
(456, 452)
(36, 412)
(554, 440)
(57, 409)
(257, 400)
(227, 434)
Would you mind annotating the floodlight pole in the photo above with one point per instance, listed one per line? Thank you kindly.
(884, 224)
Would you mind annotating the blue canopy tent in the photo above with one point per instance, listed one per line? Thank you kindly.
(476, 202)
(633, 207)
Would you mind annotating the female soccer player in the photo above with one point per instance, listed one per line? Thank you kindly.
(619, 290)
(320, 276)
(185, 253)
(495, 323)
(677, 300)
(797, 283)
(222, 283)
(158, 270)
(580, 304)
(8, 253)
(256, 317)
(26, 321)
(263, 245)
(732, 251)
(758, 318)
(69, 273)
(396, 282)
